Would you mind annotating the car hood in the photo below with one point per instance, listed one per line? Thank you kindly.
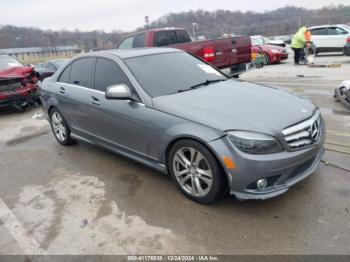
(16, 72)
(276, 42)
(235, 105)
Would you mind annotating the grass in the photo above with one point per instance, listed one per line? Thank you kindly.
(36, 60)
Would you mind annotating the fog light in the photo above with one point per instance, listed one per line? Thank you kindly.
(261, 183)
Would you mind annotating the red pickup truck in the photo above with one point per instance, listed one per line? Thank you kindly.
(233, 53)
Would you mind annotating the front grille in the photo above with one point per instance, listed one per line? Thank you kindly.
(304, 133)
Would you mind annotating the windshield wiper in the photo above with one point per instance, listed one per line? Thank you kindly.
(207, 82)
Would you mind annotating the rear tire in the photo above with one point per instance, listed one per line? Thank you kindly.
(60, 128)
(196, 171)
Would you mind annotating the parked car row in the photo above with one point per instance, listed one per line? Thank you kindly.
(49, 67)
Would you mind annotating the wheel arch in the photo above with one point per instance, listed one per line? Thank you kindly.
(51, 107)
(203, 143)
(267, 57)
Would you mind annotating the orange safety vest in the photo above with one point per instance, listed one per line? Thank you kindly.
(308, 36)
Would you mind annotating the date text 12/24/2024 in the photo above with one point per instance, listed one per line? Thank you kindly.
(173, 258)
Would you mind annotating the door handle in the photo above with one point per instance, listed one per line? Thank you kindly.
(62, 90)
(94, 100)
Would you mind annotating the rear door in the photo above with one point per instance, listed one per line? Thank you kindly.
(117, 123)
(337, 37)
(74, 91)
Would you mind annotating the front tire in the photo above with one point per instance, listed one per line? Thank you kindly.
(196, 171)
(267, 59)
(60, 128)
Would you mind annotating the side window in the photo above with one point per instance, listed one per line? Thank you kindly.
(319, 31)
(172, 37)
(81, 71)
(336, 31)
(64, 77)
(127, 43)
(182, 37)
(162, 39)
(139, 40)
(108, 73)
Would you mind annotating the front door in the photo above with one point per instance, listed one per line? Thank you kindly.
(118, 123)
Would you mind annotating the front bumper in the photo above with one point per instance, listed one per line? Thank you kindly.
(282, 170)
(19, 97)
(278, 57)
(14, 99)
(293, 177)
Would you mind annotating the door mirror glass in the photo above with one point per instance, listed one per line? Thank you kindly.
(118, 92)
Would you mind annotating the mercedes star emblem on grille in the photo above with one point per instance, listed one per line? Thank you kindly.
(314, 131)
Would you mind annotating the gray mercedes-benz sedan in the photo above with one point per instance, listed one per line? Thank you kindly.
(173, 112)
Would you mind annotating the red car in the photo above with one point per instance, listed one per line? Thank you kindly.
(18, 83)
(273, 53)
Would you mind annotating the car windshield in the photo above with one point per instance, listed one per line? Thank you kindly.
(7, 62)
(168, 73)
(257, 40)
(59, 63)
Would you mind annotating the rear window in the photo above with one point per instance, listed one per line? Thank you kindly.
(162, 39)
(127, 43)
(171, 38)
(336, 31)
(182, 37)
(139, 40)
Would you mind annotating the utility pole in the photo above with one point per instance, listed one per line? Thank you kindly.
(194, 28)
(147, 21)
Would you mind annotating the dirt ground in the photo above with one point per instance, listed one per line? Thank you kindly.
(85, 200)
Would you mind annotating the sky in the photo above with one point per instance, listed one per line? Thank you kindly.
(125, 15)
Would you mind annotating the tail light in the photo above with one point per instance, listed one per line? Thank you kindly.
(348, 40)
(209, 53)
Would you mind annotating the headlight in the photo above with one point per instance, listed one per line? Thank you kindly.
(275, 51)
(254, 143)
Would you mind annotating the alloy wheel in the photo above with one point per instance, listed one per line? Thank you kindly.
(59, 127)
(192, 171)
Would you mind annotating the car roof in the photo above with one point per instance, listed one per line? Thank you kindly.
(321, 26)
(136, 52)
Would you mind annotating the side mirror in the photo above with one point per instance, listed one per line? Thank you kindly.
(118, 92)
